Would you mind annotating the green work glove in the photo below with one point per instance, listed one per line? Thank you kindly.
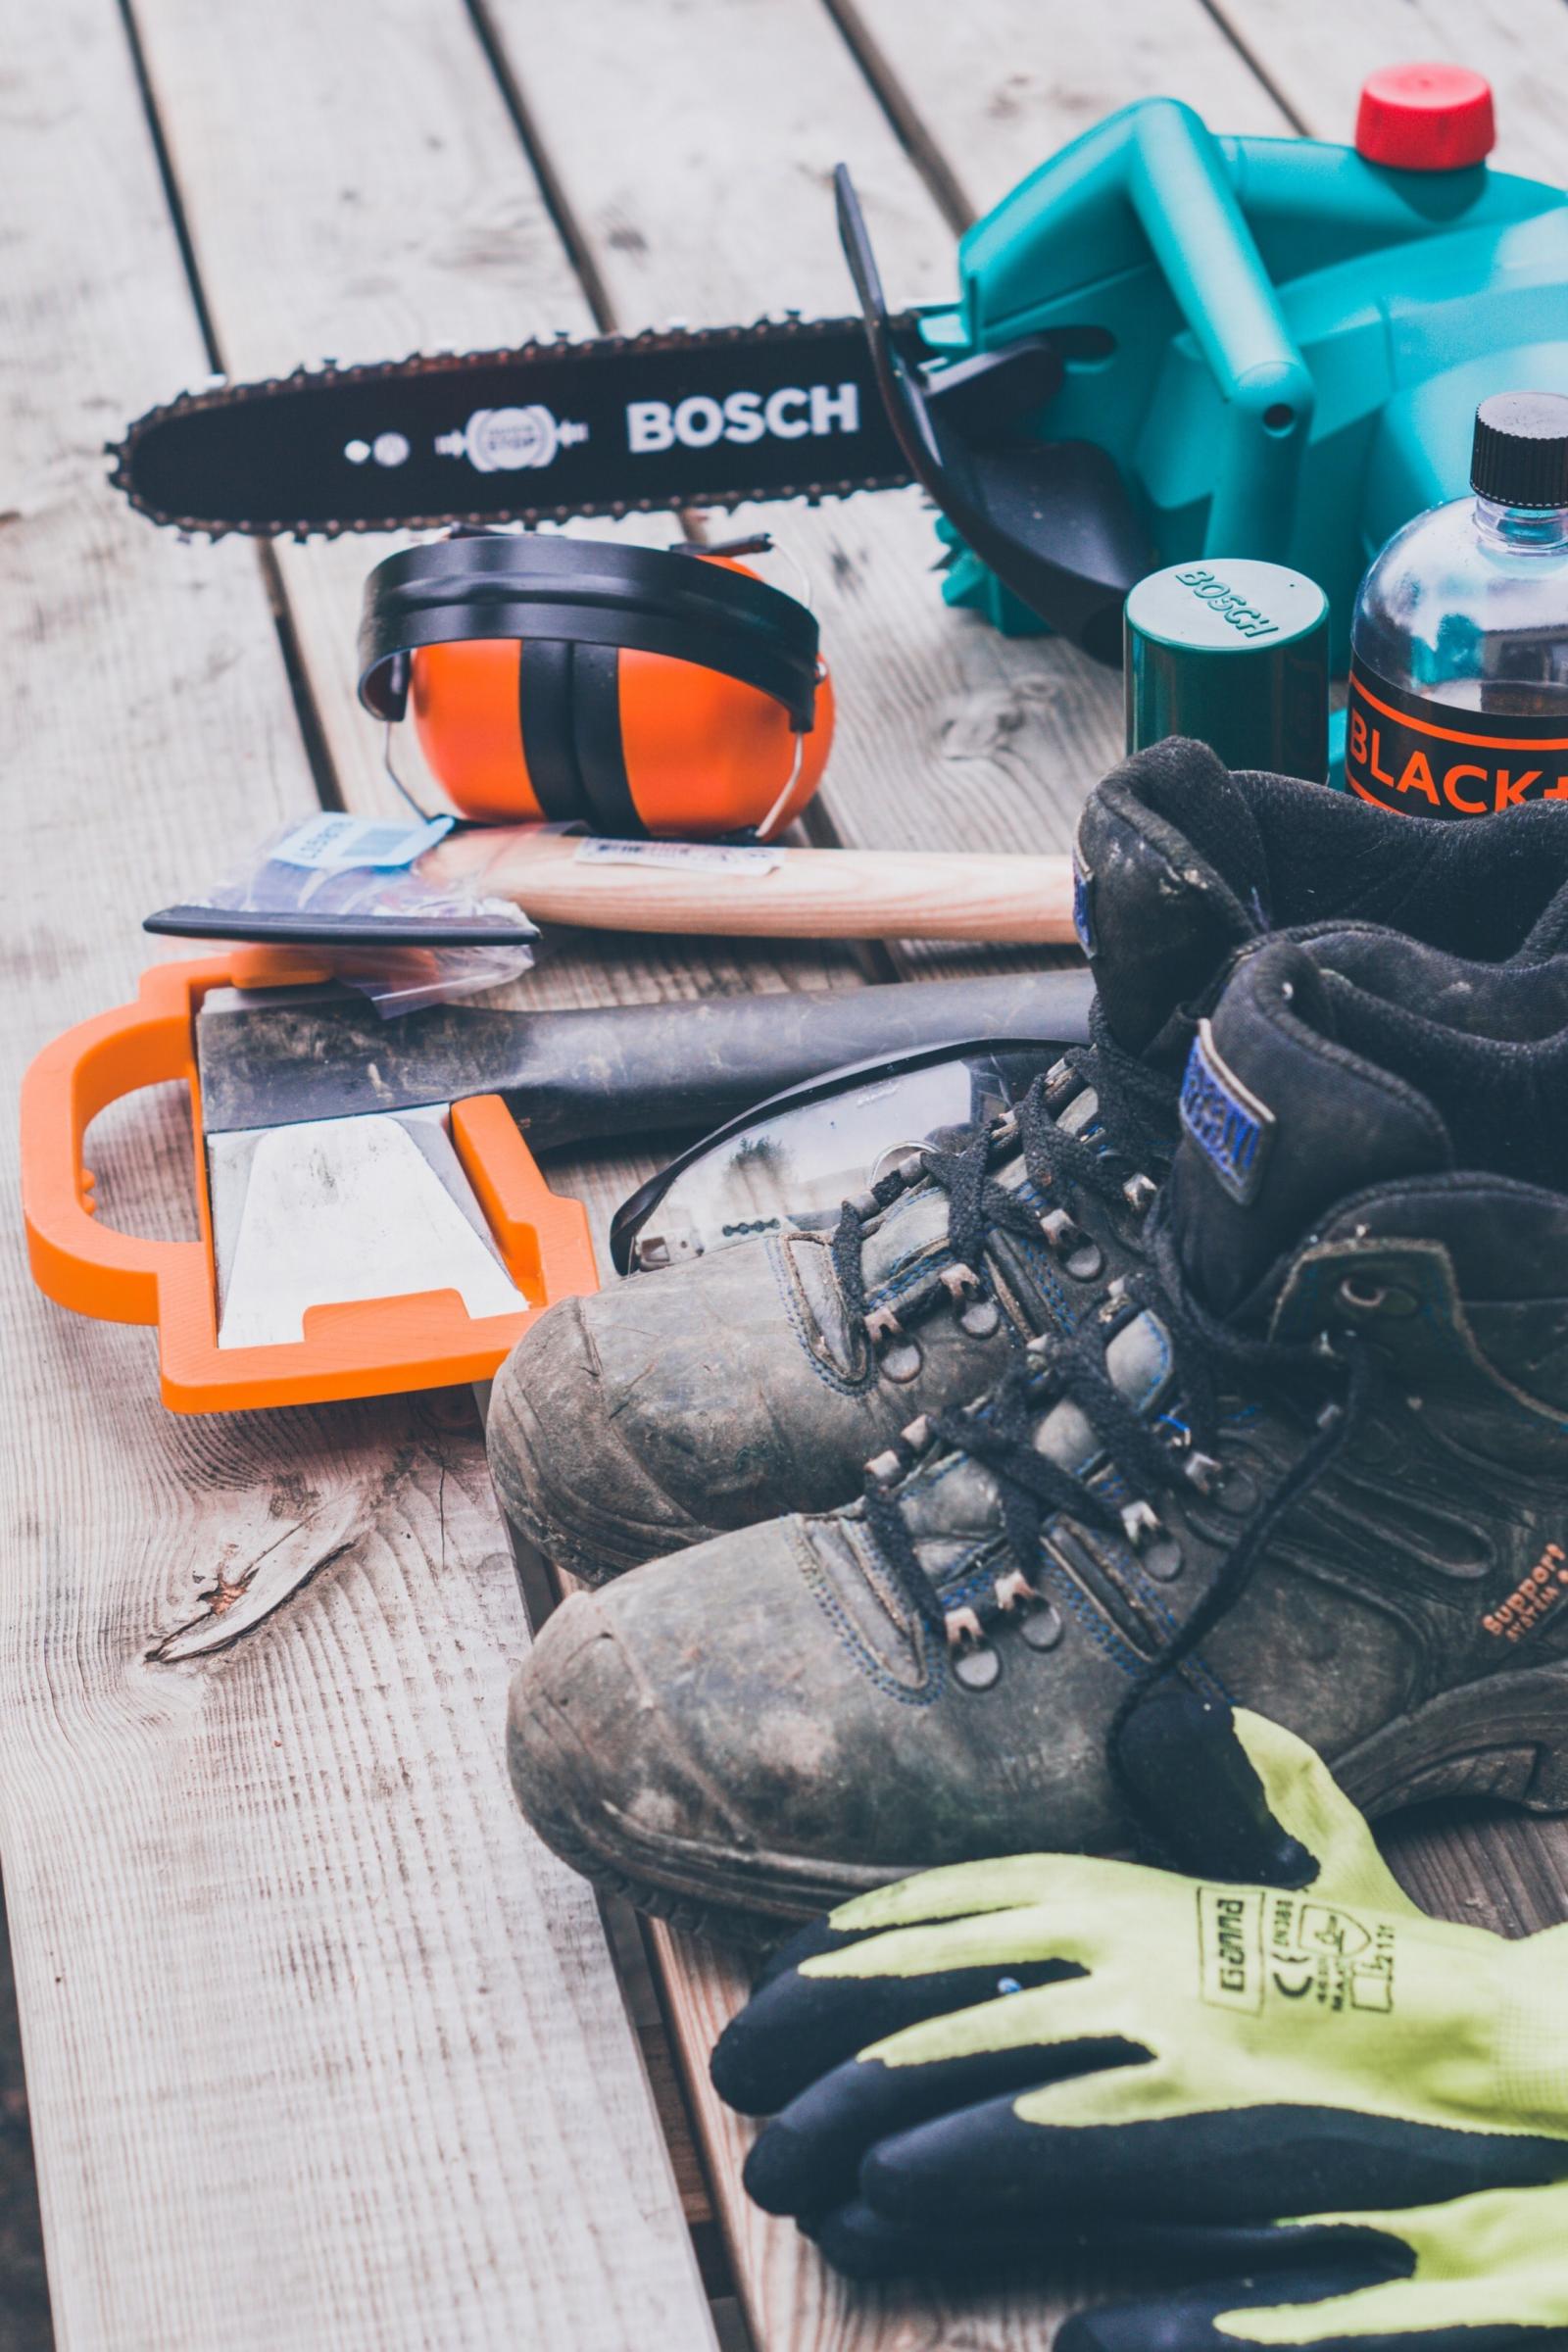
(1047, 2050)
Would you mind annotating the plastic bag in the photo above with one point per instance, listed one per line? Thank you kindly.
(361, 875)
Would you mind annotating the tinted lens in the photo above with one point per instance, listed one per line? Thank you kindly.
(794, 1167)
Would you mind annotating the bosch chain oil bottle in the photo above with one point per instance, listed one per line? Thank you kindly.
(1459, 696)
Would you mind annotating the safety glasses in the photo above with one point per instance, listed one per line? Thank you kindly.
(791, 1163)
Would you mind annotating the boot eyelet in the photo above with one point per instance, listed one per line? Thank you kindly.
(1381, 1299)
(975, 1661)
(899, 1164)
(977, 1669)
(1014, 1591)
(978, 1314)
(1140, 1520)
(898, 1356)
(1157, 1549)
(1044, 1627)
(1079, 1253)
(1139, 1194)
(1115, 1300)
(1204, 1473)
(1237, 1493)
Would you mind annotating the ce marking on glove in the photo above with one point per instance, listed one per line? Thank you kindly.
(1254, 1943)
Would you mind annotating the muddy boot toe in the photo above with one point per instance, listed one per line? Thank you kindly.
(568, 1479)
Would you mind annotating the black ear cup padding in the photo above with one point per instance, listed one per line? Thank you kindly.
(601, 751)
(568, 711)
(584, 592)
(545, 713)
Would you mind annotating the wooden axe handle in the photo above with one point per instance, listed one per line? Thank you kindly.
(809, 894)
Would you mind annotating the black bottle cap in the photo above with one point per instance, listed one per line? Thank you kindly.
(1519, 454)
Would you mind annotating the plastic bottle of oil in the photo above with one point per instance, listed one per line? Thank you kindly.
(1458, 697)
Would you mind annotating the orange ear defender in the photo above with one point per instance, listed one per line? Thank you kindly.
(638, 690)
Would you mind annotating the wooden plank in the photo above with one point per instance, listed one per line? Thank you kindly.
(988, 92)
(323, 2047)
(370, 255)
(693, 147)
(794, 2302)
(1521, 48)
(984, 95)
(364, 257)
(411, 218)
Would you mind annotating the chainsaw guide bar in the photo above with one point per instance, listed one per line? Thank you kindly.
(784, 408)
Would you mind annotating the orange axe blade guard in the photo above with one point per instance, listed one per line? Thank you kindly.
(360, 1348)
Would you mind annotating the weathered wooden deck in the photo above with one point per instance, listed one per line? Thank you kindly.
(323, 2049)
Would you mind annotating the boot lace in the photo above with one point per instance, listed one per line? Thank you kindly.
(1131, 1132)
(1146, 1455)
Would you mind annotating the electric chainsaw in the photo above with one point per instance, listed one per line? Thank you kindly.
(1166, 345)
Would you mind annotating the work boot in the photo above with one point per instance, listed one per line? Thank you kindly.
(1313, 1458)
(759, 1379)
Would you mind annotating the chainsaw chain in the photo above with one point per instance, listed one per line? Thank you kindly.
(220, 392)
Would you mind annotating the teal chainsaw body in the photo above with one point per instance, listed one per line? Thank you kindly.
(1298, 337)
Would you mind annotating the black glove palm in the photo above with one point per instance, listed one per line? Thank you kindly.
(1053, 2049)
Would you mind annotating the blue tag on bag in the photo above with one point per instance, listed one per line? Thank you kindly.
(334, 839)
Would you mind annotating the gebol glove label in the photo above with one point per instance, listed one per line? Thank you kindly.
(1426, 757)
(1258, 1949)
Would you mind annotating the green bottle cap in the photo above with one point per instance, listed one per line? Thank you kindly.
(1235, 653)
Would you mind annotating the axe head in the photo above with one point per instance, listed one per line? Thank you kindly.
(321, 1210)
(273, 1056)
(328, 1210)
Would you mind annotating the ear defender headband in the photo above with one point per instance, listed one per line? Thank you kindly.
(638, 690)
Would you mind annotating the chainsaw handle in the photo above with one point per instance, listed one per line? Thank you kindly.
(76, 1260)
(1152, 182)
(1185, 198)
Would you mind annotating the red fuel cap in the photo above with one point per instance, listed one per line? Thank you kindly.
(1425, 118)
